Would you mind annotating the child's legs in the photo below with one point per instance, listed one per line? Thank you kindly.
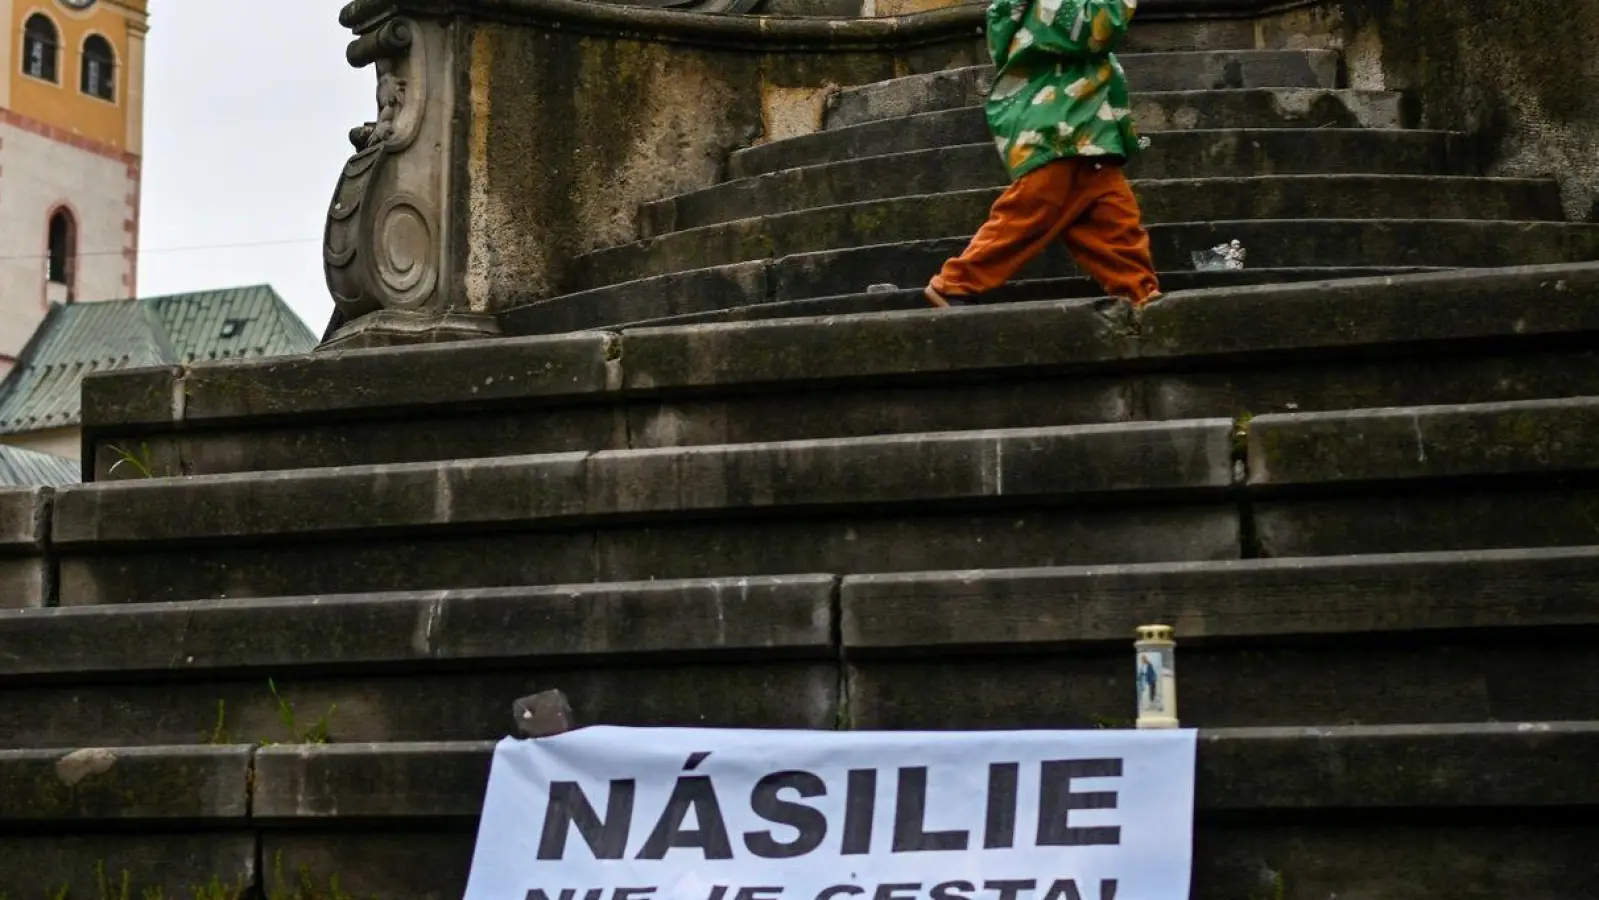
(1032, 213)
(1109, 241)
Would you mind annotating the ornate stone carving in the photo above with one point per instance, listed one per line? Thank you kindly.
(700, 6)
(385, 247)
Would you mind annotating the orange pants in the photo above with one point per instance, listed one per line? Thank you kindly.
(1088, 205)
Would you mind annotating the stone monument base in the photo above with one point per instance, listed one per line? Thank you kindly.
(388, 327)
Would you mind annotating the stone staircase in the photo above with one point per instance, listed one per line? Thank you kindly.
(1367, 505)
(1267, 146)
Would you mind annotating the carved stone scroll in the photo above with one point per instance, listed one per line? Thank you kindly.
(386, 245)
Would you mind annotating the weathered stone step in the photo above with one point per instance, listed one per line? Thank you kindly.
(1468, 336)
(1230, 153)
(1272, 244)
(1119, 493)
(25, 571)
(1201, 70)
(1240, 770)
(1159, 114)
(124, 782)
(172, 820)
(1045, 648)
(1432, 478)
(572, 313)
(1375, 639)
(1292, 810)
(897, 219)
(1314, 448)
(430, 665)
(1156, 31)
(1014, 497)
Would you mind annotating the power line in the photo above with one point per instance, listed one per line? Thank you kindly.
(197, 248)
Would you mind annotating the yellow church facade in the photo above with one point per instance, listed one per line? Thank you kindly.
(71, 113)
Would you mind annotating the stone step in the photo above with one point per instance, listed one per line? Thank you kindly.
(1230, 153)
(1012, 497)
(898, 219)
(25, 570)
(1203, 70)
(171, 820)
(1156, 30)
(1159, 31)
(569, 313)
(1126, 492)
(1046, 648)
(1370, 639)
(1159, 114)
(1284, 812)
(1431, 478)
(1467, 336)
(1271, 243)
(435, 665)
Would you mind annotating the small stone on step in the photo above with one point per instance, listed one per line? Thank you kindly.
(543, 714)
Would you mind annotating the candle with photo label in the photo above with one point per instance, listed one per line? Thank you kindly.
(1155, 657)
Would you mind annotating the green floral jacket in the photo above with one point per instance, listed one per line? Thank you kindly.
(1058, 89)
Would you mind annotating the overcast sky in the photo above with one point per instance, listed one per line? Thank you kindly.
(246, 111)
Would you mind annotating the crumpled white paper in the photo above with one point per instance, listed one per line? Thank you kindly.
(1222, 256)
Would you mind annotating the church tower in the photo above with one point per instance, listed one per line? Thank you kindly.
(71, 112)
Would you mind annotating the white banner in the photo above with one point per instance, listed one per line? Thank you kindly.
(610, 813)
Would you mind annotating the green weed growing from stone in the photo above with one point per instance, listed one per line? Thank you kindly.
(216, 890)
(304, 886)
(317, 733)
(105, 885)
(219, 732)
(139, 462)
(110, 890)
(1586, 511)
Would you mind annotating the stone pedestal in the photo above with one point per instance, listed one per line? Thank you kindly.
(514, 135)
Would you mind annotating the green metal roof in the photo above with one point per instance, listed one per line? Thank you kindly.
(21, 467)
(43, 389)
(196, 324)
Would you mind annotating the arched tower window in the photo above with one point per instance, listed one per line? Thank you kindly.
(99, 77)
(63, 248)
(41, 47)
